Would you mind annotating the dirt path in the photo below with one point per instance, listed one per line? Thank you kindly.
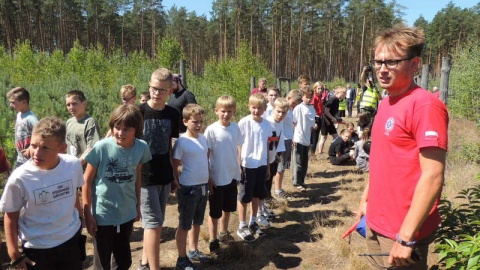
(305, 234)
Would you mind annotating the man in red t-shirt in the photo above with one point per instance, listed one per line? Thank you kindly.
(262, 87)
(407, 156)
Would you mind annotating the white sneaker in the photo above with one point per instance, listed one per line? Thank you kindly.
(262, 221)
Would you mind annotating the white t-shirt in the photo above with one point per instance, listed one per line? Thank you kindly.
(288, 125)
(268, 111)
(193, 154)
(46, 201)
(278, 146)
(223, 143)
(254, 148)
(304, 119)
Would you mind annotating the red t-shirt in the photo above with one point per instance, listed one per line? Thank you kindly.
(317, 104)
(256, 91)
(403, 125)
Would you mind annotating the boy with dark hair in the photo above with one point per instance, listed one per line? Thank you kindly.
(41, 204)
(304, 120)
(19, 99)
(82, 129)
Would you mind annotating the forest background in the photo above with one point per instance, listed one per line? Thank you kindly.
(51, 47)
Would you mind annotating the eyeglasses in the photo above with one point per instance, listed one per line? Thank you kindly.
(158, 90)
(127, 99)
(390, 64)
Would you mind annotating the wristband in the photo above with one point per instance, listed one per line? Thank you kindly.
(403, 242)
(18, 260)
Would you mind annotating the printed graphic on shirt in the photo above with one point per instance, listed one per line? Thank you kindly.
(73, 140)
(53, 193)
(389, 125)
(22, 139)
(273, 140)
(158, 135)
(117, 171)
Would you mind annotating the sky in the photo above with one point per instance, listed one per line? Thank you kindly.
(413, 10)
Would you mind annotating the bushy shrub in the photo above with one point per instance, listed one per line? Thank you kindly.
(458, 238)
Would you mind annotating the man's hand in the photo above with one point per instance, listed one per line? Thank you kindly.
(400, 255)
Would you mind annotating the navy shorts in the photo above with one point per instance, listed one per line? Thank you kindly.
(224, 198)
(252, 184)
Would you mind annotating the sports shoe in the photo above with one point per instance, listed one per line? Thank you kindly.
(214, 245)
(268, 213)
(198, 256)
(183, 263)
(246, 234)
(283, 195)
(262, 221)
(225, 237)
(301, 188)
(143, 266)
(255, 230)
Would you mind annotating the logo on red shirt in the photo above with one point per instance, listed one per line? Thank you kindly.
(389, 125)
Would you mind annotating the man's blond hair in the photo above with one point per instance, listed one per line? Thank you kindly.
(226, 102)
(258, 100)
(162, 74)
(192, 109)
(51, 127)
(281, 103)
(128, 89)
(340, 89)
(401, 38)
(306, 91)
(295, 95)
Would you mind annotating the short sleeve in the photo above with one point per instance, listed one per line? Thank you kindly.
(92, 134)
(13, 196)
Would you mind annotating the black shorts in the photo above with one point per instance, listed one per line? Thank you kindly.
(224, 198)
(328, 129)
(252, 184)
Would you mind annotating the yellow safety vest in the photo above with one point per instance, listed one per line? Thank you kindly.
(369, 99)
(342, 105)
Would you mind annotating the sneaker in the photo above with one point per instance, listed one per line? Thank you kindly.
(262, 221)
(245, 234)
(268, 213)
(283, 195)
(255, 230)
(225, 237)
(183, 263)
(198, 256)
(301, 188)
(143, 266)
(214, 245)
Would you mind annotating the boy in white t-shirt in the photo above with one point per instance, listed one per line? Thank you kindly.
(224, 141)
(304, 120)
(191, 151)
(294, 98)
(254, 161)
(276, 146)
(41, 204)
(272, 94)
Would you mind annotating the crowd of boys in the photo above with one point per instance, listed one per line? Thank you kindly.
(129, 175)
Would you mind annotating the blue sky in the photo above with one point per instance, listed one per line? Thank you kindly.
(414, 8)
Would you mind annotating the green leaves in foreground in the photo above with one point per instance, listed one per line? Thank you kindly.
(459, 237)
